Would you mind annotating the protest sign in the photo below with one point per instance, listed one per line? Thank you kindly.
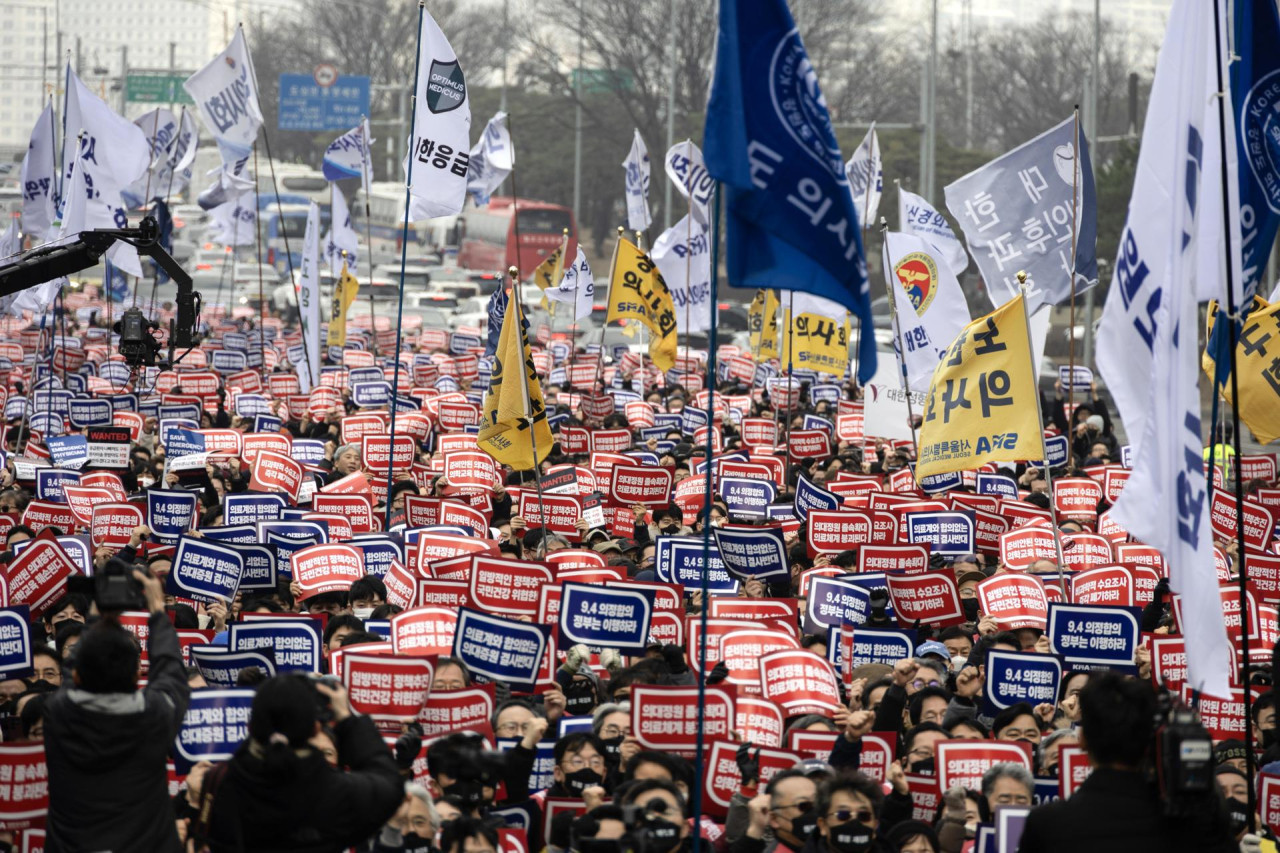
(636, 484)
(215, 724)
(206, 571)
(15, 641)
(1093, 636)
(221, 667)
(388, 688)
(1014, 601)
(799, 681)
(295, 643)
(615, 618)
(931, 598)
(1014, 677)
(667, 718)
(753, 552)
(500, 649)
(945, 532)
(326, 568)
(962, 762)
(24, 786)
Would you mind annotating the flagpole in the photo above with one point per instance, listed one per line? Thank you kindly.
(1048, 477)
(1233, 315)
(644, 330)
(1075, 170)
(404, 253)
(688, 253)
(257, 232)
(551, 303)
(608, 300)
(897, 334)
(791, 325)
(514, 274)
(365, 166)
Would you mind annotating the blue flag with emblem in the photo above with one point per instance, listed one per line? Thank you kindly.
(117, 285)
(497, 310)
(791, 221)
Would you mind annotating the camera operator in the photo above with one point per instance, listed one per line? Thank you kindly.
(1117, 807)
(106, 742)
(279, 793)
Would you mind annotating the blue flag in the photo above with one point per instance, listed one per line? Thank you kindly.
(497, 310)
(791, 221)
(164, 219)
(117, 284)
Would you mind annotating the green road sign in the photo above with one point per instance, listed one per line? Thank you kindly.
(596, 81)
(155, 89)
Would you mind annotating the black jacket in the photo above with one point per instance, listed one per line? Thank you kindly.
(106, 752)
(1117, 810)
(316, 808)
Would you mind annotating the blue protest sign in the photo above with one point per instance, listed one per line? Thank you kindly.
(237, 341)
(216, 723)
(183, 442)
(322, 101)
(940, 482)
(1057, 451)
(747, 497)
(252, 405)
(190, 412)
(77, 382)
(221, 667)
(775, 513)
(295, 643)
(692, 419)
(946, 532)
(644, 457)
(358, 375)
(753, 552)
(678, 559)
(78, 548)
(267, 423)
(308, 451)
(1094, 636)
(999, 485)
(875, 645)
(371, 394)
(816, 422)
(259, 566)
(459, 343)
(1014, 677)
(115, 372)
(1048, 790)
(669, 421)
(15, 408)
(809, 495)
(238, 534)
(48, 400)
(833, 602)
(46, 423)
(228, 361)
(205, 571)
(827, 392)
(606, 617)
(68, 451)
(124, 402)
(167, 427)
(15, 643)
(379, 551)
(870, 581)
(500, 649)
(50, 483)
(252, 507)
(87, 412)
(170, 514)
(149, 407)
(284, 547)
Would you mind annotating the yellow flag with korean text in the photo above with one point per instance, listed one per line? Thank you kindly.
(345, 290)
(514, 420)
(815, 342)
(982, 405)
(1258, 368)
(762, 321)
(638, 292)
(551, 270)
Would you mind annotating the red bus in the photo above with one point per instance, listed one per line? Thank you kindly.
(487, 239)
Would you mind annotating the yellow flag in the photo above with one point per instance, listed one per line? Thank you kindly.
(1258, 364)
(345, 291)
(818, 343)
(504, 425)
(762, 319)
(983, 404)
(637, 291)
(551, 270)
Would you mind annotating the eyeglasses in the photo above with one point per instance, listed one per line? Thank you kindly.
(577, 762)
(511, 727)
(845, 815)
(921, 752)
(802, 806)
(920, 683)
(610, 730)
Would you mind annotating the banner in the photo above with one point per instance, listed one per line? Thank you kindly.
(637, 185)
(637, 291)
(930, 308)
(441, 131)
(515, 419)
(818, 342)
(683, 256)
(865, 172)
(345, 291)
(612, 618)
(226, 94)
(491, 160)
(762, 323)
(205, 571)
(500, 649)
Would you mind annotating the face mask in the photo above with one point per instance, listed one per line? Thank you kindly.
(1051, 771)
(1268, 737)
(613, 748)
(661, 835)
(1239, 813)
(146, 482)
(579, 698)
(958, 662)
(580, 780)
(468, 792)
(850, 837)
(970, 608)
(363, 612)
(416, 844)
(803, 826)
(925, 767)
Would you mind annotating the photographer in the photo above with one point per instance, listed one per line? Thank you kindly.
(106, 742)
(278, 793)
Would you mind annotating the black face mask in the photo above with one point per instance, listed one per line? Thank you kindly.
(661, 835)
(970, 608)
(803, 826)
(613, 748)
(925, 767)
(1051, 771)
(580, 780)
(850, 837)
(1238, 812)
(579, 698)
(417, 844)
(1267, 738)
(469, 793)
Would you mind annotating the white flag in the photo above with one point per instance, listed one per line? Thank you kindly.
(492, 159)
(74, 220)
(866, 178)
(441, 129)
(341, 236)
(687, 171)
(930, 305)
(309, 300)
(637, 169)
(226, 94)
(172, 141)
(348, 156)
(39, 178)
(919, 217)
(235, 222)
(683, 256)
(577, 288)
(1147, 346)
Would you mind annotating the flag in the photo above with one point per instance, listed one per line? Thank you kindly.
(492, 159)
(226, 94)
(172, 141)
(930, 306)
(1258, 367)
(1147, 344)
(790, 216)
(164, 219)
(39, 178)
(514, 419)
(637, 291)
(818, 342)
(683, 256)
(551, 270)
(496, 311)
(348, 156)
(441, 129)
(341, 236)
(10, 245)
(235, 222)
(1255, 88)
(1016, 212)
(345, 291)
(686, 169)
(865, 172)
(916, 216)
(228, 182)
(75, 196)
(637, 170)
(983, 405)
(762, 321)
(577, 288)
(309, 300)
(115, 283)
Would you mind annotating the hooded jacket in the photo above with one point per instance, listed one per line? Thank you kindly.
(106, 753)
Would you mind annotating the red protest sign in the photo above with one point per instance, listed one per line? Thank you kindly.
(24, 786)
(726, 607)
(610, 440)
(1269, 798)
(254, 443)
(893, 558)
(456, 414)
(931, 598)
(434, 547)
(741, 651)
(470, 471)
(759, 432)
(456, 514)
(666, 718)
(1021, 547)
(834, 531)
(1082, 551)
(1014, 601)
(758, 721)
(39, 575)
(558, 513)
(638, 484)
(722, 778)
(576, 559)
(222, 441)
(1073, 768)
(1224, 719)
(376, 452)
(469, 709)
(112, 524)
(988, 527)
(1263, 571)
(41, 514)
(963, 762)
(1259, 523)
(809, 444)
(1106, 585)
(356, 509)
(1020, 513)
(352, 484)
(1168, 662)
(82, 499)
(275, 472)
(424, 631)
(507, 587)
(800, 681)
(326, 568)
(1258, 467)
(388, 688)
(356, 427)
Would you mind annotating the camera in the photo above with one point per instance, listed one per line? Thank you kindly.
(642, 835)
(324, 711)
(116, 589)
(1183, 758)
(137, 344)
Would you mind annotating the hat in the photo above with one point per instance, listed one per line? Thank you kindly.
(594, 532)
(1229, 768)
(626, 544)
(608, 545)
(1229, 750)
(965, 577)
(814, 766)
(1095, 422)
(933, 647)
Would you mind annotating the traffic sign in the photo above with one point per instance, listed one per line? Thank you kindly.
(156, 89)
(306, 104)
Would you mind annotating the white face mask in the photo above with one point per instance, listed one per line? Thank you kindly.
(958, 662)
(146, 482)
(363, 612)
